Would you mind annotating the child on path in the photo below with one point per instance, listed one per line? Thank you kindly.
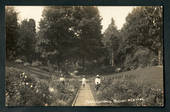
(83, 81)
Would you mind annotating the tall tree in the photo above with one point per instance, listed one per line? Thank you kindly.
(56, 34)
(11, 17)
(111, 41)
(26, 40)
(89, 32)
(71, 33)
(143, 28)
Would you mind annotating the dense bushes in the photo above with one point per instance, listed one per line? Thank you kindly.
(63, 93)
(139, 58)
(127, 90)
(24, 90)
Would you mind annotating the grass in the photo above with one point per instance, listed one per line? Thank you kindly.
(141, 87)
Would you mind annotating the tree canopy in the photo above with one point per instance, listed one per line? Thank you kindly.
(26, 40)
(11, 17)
(142, 30)
(111, 40)
(70, 34)
(71, 37)
(144, 27)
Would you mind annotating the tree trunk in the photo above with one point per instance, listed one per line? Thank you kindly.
(83, 62)
(112, 59)
(49, 67)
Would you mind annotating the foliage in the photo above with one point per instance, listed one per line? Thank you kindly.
(24, 90)
(111, 40)
(144, 27)
(20, 38)
(55, 34)
(70, 36)
(64, 93)
(26, 40)
(11, 17)
(140, 57)
(124, 90)
(89, 31)
(142, 31)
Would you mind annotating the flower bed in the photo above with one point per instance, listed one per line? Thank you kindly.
(24, 90)
(128, 91)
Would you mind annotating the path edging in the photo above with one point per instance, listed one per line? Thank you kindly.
(73, 104)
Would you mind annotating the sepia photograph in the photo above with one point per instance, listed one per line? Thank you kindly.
(84, 56)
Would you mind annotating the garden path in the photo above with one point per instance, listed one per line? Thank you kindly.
(85, 97)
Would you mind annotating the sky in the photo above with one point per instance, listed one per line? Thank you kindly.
(118, 13)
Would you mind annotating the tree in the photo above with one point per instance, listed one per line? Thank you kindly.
(56, 34)
(111, 41)
(143, 29)
(26, 40)
(11, 17)
(70, 34)
(89, 33)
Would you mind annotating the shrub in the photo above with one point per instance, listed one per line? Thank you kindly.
(139, 58)
(64, 93)
(123, 91)
(24, 90)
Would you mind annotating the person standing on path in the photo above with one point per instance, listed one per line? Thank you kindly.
(62, 79)
(83, 81)
(97, 82)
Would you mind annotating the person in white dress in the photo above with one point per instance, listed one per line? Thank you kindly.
(62, 79)
(97, 82)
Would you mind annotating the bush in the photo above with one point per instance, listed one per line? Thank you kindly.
(123, 91)
(139, 58)
(64, 93)
(24, 90)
